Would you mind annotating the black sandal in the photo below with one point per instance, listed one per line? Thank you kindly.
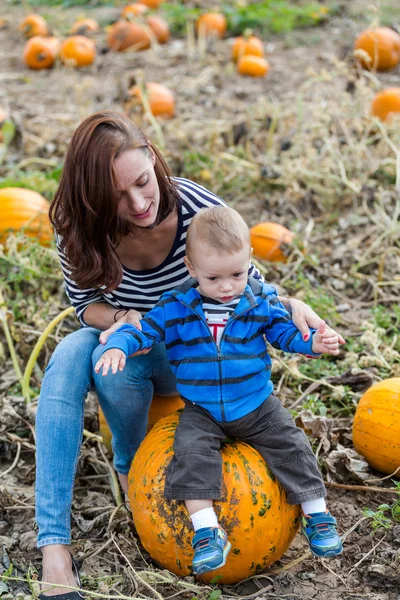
(69, 595)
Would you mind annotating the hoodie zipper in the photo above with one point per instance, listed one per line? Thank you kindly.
(218, 349)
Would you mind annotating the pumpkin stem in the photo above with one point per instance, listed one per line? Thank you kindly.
(247, 33)
(26, 391)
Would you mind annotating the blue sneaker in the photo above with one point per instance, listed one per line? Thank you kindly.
(211, 547)
(319, 529)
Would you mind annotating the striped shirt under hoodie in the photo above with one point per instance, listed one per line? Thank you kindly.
(229, 380)
(140, 290)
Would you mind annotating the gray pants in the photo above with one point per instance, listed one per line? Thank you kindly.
(195, 471)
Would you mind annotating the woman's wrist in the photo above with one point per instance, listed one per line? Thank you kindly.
(118, 312)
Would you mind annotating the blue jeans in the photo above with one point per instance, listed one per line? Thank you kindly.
(124, 398)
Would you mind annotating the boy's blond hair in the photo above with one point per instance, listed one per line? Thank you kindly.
(220, 227)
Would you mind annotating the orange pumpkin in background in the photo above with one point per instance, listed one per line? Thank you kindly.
(134, 10)
(270, 241)
(41, 52)
(211, 24)
(25, 209)
(33, 25)
(152, 3)
(127, 34)
(161, 99)
(159, 27)
(255, 66)
(84, 27)
(247, 44)
(253, 509)
(381, 45)
(386, 103)
(376, 426)
(78, 51)
(160, 407)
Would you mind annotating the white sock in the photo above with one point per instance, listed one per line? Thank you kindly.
(204, 518)
(313, 506)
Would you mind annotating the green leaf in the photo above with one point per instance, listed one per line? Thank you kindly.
(8, 131)
(214, 595)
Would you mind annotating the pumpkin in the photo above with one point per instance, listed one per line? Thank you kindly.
(376, 425)
(159, 27)
(21, 208)
(152, 3)
(78, 51)
(134, 10)
(161, 406)
(33, 25)
(253, 509)
(256, 66)
(270, 241)
(381, 45)
(212, 24)
(161, 99)
(247, 44)
(124, 34)
(41, 52)
(84, 27)
(386, 103)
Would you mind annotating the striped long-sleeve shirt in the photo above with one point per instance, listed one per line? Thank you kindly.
(141, 290)
(229, 380)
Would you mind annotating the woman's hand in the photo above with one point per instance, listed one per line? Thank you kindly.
(133, 317)
(304, 317)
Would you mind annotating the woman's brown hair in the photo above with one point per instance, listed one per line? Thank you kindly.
(84, 209)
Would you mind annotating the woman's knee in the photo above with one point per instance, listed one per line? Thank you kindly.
(74, 352)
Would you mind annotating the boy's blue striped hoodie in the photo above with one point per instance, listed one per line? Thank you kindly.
(233, 380)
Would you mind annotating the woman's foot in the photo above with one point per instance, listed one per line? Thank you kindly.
(57, 568)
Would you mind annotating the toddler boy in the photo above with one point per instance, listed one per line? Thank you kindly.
(214, 329)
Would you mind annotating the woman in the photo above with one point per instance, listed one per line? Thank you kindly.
(121, 223)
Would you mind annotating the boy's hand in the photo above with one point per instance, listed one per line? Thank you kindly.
(114, 358)
(326, 340)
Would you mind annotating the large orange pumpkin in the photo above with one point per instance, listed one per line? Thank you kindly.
(33, 25)
(386, 103)
(211, 24)
(41, 52)
(376, 426)
(247, 44)
(78, 51)
(161, 406)
(254, 511)
(126, 34)
(271, 241)
(84, 27)
(161, 99)
(382, 45)
(21, 208)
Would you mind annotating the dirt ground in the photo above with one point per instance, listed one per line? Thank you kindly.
(47, 106)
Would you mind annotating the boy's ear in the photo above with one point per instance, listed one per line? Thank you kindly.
(189, 266)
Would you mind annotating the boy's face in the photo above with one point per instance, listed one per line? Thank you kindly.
(221, 276)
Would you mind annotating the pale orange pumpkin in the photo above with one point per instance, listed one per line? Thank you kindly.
(211, 24)
(78, 51)
(253, 509)
(247, 44)
(161, 99)
(382, 45)
(134, 10)
(159, 27)
(386, 103)
(33, 25)
(84, 27)
(160, 407)
(25, 209)
(271, 241)
(126, 34)
(255, 66)
(376, 425)
(41, 52)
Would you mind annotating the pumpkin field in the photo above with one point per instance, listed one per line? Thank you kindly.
(290, 112)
